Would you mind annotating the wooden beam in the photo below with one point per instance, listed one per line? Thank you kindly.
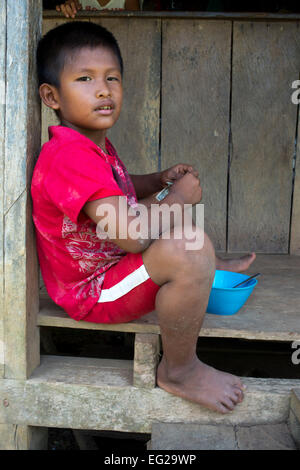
(17, 437)
(271, 313)
(294, 416)
(22, 144)
(2, 149)
(146, 356)
(81, 393)
(205, 15)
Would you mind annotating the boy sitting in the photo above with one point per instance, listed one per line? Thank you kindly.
(93, 266)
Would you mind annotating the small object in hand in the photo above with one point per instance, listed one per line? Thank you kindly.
(164, 192)
(246, 280)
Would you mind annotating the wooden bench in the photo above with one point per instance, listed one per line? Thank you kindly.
(271, 313)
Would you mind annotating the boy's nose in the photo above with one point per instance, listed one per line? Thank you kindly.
(102, 91)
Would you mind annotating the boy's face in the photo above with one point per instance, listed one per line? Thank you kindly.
(90, 96)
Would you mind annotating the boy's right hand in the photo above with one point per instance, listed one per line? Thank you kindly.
(187, 188)
(69, 8)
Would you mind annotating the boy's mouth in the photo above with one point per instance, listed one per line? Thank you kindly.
(105, 108)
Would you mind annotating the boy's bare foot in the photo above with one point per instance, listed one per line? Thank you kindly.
(216, 390)
(237, 265)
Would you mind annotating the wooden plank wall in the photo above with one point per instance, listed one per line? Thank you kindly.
(21, 146)
(222, 90)
(195, 110)
(266, 60)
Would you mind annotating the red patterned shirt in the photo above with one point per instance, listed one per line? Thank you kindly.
(72, 170)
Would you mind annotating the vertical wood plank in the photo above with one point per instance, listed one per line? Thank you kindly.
(295, 221)
(2, 134)
(195, 110)
(266, 60)
(18, 437)
(146, 356)
(22, 144)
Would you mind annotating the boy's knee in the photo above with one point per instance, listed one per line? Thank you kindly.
(169, 258)
(196, 252)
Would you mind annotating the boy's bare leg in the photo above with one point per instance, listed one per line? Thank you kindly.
(236, 264)
(186, 278)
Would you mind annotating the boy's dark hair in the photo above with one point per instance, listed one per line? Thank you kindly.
(62, 40)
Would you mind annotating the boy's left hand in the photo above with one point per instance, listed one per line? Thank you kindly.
(176, 172)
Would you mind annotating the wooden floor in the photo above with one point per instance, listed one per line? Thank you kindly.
(271, 313)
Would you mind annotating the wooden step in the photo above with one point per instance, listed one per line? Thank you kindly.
(272, 313)
(84, 393)
(182, 436)
(294, 416)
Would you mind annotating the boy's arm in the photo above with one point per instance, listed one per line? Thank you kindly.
(146, 185)
(122, 225)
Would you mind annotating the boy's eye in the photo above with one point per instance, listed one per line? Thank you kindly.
(83, 79)
(112, 78)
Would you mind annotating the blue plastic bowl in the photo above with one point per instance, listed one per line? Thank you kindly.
(226, 300)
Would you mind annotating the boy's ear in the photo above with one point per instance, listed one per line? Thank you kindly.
(49, 96)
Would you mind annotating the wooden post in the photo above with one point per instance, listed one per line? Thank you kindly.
(21, 147)
(146, 351)
(20, 29)
(294, 416)
(2, 130)
(18, 437)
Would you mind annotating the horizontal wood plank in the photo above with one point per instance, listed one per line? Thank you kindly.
(82, 370)
(46, 400)
(272, 313)
(206, 15)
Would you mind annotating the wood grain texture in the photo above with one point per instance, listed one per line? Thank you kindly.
(181, 436)
(16, 437)
(22, 143)
(266, 60)
(2, 162)
(195, 110)
(272, 313)
(80, 396)
(295, 220)
(294, 416)
(146, 357)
